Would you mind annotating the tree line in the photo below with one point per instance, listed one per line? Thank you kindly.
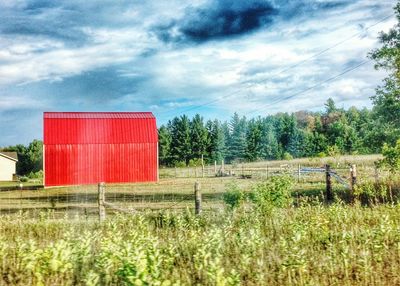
(184, 141)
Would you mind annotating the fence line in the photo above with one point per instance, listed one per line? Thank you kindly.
(102, 204)
(167, 194)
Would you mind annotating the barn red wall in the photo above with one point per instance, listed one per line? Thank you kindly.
(100, 147)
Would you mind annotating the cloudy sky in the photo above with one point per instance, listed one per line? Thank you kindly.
(212, 57)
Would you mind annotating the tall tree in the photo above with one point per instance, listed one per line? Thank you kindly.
(180, 140)
(237, 142)
(164, 145)
(199, 137)
(217, 148)
(387, 99)
(269, 143)
(253, 140)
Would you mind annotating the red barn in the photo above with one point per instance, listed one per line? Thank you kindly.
(92, 147)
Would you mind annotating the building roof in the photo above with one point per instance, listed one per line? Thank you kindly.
(98, 115)
(99, 128)
(10, 155)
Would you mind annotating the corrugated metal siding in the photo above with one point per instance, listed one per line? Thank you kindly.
(94, 149)
(99, 131)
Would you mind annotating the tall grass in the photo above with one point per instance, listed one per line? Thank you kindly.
(306, 245)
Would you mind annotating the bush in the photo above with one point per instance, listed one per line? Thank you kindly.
(23, 179)
(374, 193)
(179, 164)
(233, 196)
(275, 192)
(287, 156)
(36, 175)
(391, 157)
(333, 151)
(195, 162)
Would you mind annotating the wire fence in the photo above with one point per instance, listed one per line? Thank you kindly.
(174, 191)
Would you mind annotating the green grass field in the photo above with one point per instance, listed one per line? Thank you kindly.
(52, 236)
(307, 245)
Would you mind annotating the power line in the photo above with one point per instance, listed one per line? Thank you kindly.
(284, 70)
(312, 87)
(335, 45)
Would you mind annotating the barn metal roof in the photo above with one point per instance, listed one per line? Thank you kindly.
(99, 127)
(99, 115)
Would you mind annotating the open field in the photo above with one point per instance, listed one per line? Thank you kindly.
(365, 164)
(306, 245)
(52, 236)
(177, 192)
(174, 193)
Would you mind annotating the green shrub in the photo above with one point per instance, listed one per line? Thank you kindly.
(36, 175)
(287, 156)
(179, 164)
(275, 192)
(233, 196)
(373, 193)
(195, 162)
(23, 179)
(333, 151)
(391, 157)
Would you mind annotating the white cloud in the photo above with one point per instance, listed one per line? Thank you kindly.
(244, 73)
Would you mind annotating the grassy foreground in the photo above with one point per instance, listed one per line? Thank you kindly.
(306, 245)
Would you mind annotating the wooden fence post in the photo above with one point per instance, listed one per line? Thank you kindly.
(376, 174)
(197, 198)
(102, 210)
(298, 173)
(353, 176)
(215, 168)
(329, 194)
(202, 165)
(223, 166)
(267, 172)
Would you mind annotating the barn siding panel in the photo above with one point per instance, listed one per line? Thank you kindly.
(89, 148)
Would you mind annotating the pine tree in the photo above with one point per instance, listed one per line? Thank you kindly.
(217, 148)
(180, 140)
(237, 142)
(253, 140)
(199, 137)
(164, 145)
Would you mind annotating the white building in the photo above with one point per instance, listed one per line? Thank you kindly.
(8, 162)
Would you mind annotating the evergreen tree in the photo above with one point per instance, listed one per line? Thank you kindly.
(180, 140)
(253, 140)
(237, 142)
(286, 129)
(164, 145)
(199, 137)
(216, 140)
(269, 143)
